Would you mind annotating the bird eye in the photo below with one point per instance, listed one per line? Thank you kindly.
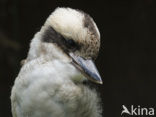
(71, 43)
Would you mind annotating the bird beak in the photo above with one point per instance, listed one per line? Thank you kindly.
(87, 67)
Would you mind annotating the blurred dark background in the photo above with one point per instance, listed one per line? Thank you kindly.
(127, 60)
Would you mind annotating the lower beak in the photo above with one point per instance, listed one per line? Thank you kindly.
(87, 67)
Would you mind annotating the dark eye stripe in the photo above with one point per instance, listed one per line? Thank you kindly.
(51, 36)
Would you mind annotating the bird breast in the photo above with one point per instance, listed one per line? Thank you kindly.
(49, 89)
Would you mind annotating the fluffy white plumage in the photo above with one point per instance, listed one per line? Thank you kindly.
(48, 85)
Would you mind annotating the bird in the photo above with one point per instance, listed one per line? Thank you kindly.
(60, 59)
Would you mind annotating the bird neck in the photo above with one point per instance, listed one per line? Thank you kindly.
(42, 52)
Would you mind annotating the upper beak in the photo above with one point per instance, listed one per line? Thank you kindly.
(87, 67)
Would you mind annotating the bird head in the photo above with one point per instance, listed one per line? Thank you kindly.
(77, 36)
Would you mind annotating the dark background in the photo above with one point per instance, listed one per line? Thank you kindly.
(127, 60)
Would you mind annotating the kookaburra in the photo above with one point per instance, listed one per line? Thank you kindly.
(51, 80)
